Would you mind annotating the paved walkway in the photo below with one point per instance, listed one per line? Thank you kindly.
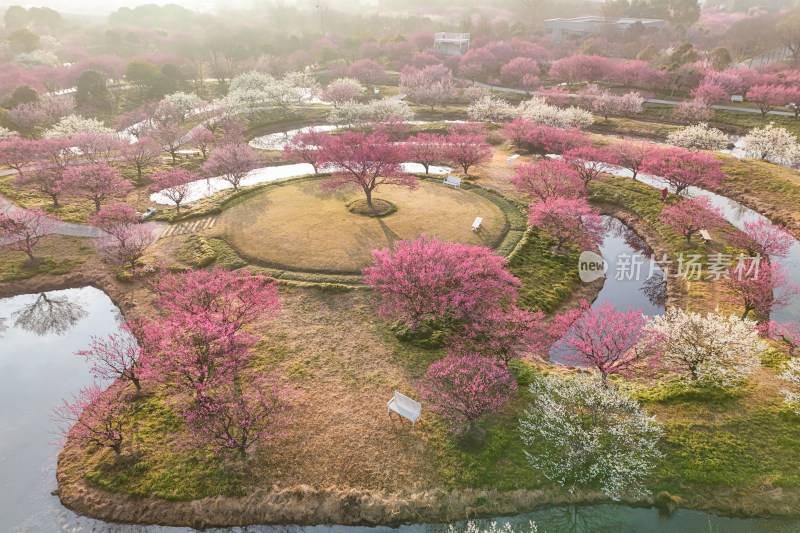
(191, 226)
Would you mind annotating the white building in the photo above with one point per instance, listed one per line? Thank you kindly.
(581, 26)
(451, 44)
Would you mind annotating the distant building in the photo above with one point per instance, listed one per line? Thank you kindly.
(578, 27)
(451, 44)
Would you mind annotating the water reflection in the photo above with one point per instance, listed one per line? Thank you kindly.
(50, 315)
(655, 289)
(615, 228)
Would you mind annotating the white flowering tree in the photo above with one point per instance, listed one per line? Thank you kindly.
(539, 111)
(351, 113)
(792, 375)
(771, 143)
(72, 124)
(490, 109)
(699, 137)
(253, 90)
(182, 103)
(712, 348)
(579, 433)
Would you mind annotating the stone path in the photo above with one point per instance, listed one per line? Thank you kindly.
(191, 226)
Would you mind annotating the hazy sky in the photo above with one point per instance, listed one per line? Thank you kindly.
(104, 7)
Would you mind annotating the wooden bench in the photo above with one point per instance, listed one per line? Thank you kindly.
(404, 406)
(705, 236)
(452, 180)
(477, 223)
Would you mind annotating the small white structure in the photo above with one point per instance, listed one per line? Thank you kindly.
(737, 98)
(451, 44)
(187, 154)
(510, 160)
(452, 180)
(477, 224)
(405, 407)
(705, 235)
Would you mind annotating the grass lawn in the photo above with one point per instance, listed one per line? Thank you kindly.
(298, 227)
(57, 254)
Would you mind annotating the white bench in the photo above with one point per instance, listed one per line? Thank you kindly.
(477, 223)
(452, 180)
(510, 160)
(404, 406)
(704, 234)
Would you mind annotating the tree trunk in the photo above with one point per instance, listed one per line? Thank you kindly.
(55, 200)
(136, 383)
(689, 237)
(426, 165)
(368, 192)
(96, 205)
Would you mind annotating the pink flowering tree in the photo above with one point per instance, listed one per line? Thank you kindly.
(768, 96)
(466, 148)
(589, 162)
(96, 417)
(631, 154)
(428, 281)
(761, 286)
(683, 168)
(97, 147)
(97, 182)
(503, 334)
(141, 155)
(202, 139)
(568, 220)
(543, 139)
(115, 357)
(174, 184)
(125, 239)
(463, 389)
(765, 238)
(366, 160)
(340, 91)
(367, 71)
(426, 149)
(548, 178)
(604, 338)
(306, 147)
(690, 215)
(23, 230)
(693, 111)
(199, 344)
(580, 68)
(53, 157)
(170, 137)
(522, 72)
(432, 85)
(231, 163)
(18, 153)
(233, 420)
(710, 92)
(786, 333)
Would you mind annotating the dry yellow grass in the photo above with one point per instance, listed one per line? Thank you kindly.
(299, 227)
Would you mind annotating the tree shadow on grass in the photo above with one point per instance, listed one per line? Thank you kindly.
(391, 236)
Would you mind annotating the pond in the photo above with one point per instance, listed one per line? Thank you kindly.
(39, 334)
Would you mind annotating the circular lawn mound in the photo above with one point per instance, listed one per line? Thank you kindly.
(296, 226)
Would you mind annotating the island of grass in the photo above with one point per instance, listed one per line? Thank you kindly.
(296, 226)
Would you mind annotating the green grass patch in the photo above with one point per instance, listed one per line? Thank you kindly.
(70, 210)
(59, 254)
(548, 278)
(197, 252)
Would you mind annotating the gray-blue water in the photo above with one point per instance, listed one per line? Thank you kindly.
(39, 334)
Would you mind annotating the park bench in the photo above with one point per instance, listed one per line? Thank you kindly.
(705, 236)
(477, 223)
(404, 406)
(510, 160)
(452, 180)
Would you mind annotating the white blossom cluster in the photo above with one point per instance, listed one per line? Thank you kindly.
(72, 124)
(773, 144)
(699, 137)
(712, 348)
(254, 90)
(6, 134)
(792, 375)
(593, 435)
(536, 109)
(350, 113)
(182, 103)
